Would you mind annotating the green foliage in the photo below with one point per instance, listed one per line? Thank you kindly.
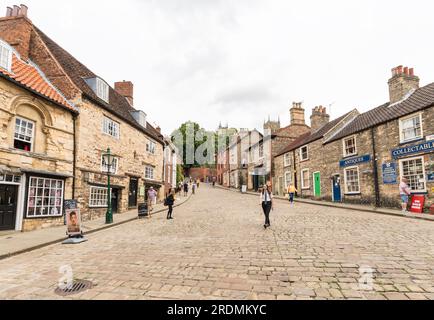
(179, 174)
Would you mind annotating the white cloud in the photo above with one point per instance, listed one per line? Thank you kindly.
(239, 61)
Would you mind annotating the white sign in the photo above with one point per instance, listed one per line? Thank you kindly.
(429, 138)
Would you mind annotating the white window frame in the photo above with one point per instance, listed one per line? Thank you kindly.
(102, 90)
(5, 54)
(104, 168)
(344, 141)
(151, 147)
(290, 178)
(148, 177)
(287, 160)
(401, 136)
(302, 179)
(100, 202)
(32, 137)
(401, 172)
(36, 195)
(106, 128)
(301, 153)
(261, 151)
(346, 180)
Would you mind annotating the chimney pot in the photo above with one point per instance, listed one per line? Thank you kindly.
(15, 11)
(406, 71)
(411, 71)
(9, 12)
(400, 69)
(23, 10)
(126, 89)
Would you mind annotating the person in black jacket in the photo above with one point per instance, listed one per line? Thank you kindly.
(170, 201)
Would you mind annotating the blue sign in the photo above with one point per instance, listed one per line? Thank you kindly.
(390, 174)
(354, 161)
(430, 177)
(420, 148)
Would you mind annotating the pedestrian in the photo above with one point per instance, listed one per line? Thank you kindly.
(152, 198)
(169, 202)
(198, 183)
(180, 186)
(186, 189)
(405, 192)
(291, 191)
(266, 201)
(194, 187)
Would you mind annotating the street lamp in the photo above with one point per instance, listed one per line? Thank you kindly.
(109, 161)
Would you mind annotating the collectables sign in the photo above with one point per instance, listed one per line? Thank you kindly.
(425, 147)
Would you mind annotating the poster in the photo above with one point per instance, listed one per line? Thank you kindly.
(73, 222)
(390, 174)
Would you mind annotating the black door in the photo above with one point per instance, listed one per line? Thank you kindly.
(132, 199)
(8, 207)
(115, 200)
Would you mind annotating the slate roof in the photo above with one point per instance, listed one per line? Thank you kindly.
(29, 76)
(118, 105)
(294, 144)
(419, 100)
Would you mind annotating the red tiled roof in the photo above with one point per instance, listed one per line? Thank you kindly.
(32, 78)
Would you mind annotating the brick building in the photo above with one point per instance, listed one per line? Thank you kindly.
(363, 159)
(262, 153)
(171, 161)
(36, 145)
(107, 120)
(223, 168)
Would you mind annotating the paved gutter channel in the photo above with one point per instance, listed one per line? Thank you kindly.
(398, 214)
(60, 240)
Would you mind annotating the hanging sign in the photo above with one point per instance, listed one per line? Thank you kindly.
(390, 174)
(425, 147)
(354, 161)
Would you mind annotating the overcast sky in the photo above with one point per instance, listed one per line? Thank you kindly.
(238, 61)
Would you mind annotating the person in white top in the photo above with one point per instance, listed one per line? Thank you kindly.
(404, 192)
(266, 201)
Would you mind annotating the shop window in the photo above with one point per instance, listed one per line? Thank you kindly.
(414, 171)
(98, 197)
(411, 128)
(350, 148)
(45, 198)
(305, 179)
(24, 131)
(352, 181)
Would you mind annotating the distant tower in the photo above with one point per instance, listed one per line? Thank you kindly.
(273, 126)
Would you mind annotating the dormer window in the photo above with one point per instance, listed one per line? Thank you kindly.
(140, 117)
(100, 87)
(102, 90)
(5, 56)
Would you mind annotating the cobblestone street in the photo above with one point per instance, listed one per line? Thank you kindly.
(217, 248)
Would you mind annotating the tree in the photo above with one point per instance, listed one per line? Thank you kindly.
(179, 174)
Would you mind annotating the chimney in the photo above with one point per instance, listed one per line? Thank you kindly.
(297, 114)
(126, 89)
(319, 118)
(16, 29)
(402, 82)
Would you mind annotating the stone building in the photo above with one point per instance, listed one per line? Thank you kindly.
(262, 153)
(223, 168)
(36, 145)
(170, 165)
(363, 160)
(107, 120)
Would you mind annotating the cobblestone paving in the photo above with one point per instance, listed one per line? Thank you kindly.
(216, 248)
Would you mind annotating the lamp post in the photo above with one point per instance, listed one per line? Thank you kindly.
(108, 159)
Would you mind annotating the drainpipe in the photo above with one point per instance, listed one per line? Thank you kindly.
(375, 164)
(74, 165)
(295, 174)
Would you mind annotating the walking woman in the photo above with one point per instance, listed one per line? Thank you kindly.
(170, 201)
(266, 199)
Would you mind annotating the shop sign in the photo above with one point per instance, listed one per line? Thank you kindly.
(354, 161)
(417, 203)
(425, 147)
(390, 174)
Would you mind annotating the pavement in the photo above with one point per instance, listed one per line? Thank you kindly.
(217, 248)
(14, 243)
(361, 208)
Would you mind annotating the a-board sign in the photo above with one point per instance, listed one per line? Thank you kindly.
(143, 210)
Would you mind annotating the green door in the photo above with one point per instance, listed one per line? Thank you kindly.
(317, 180)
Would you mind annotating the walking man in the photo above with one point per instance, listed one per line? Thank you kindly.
(152, 198)
(194, 187)
(186, 189)
(266, 201)
(291, 191)
(405, 192)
